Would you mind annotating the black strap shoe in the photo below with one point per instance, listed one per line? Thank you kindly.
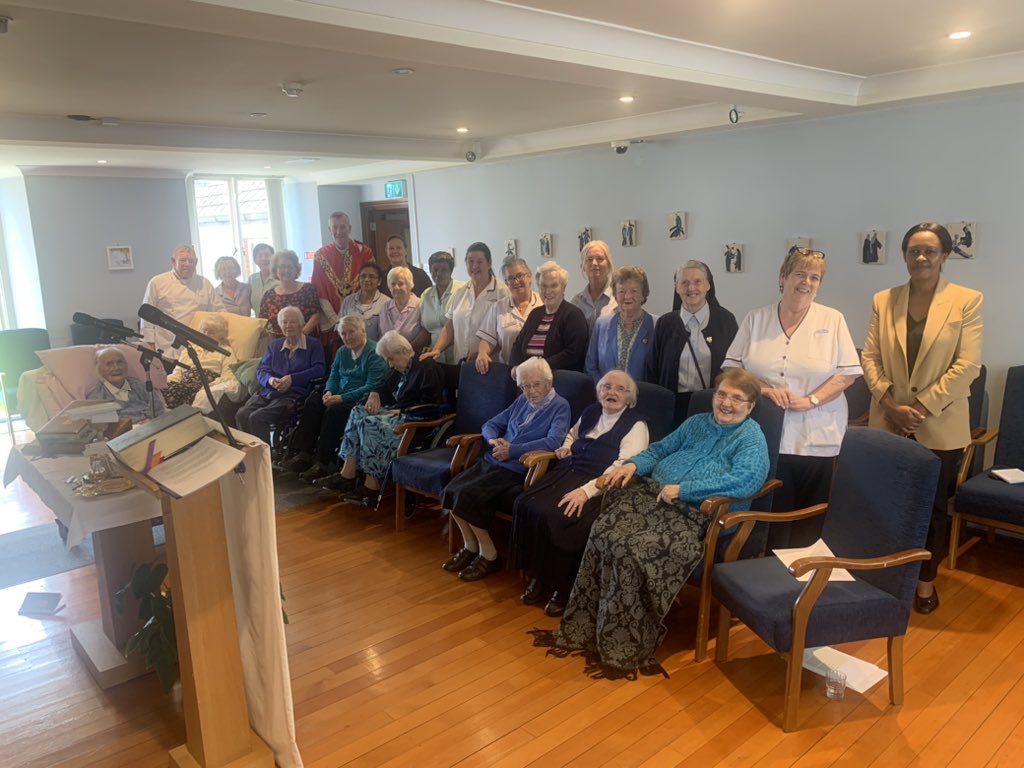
(480, 568)
(459, 560)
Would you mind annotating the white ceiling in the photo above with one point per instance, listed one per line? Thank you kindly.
(182, 78)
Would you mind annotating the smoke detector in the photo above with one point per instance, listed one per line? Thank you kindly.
(292, 90)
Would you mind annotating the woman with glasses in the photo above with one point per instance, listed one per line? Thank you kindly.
(289, 292)
(690, 342)
(506, 317)
(803, 354)
(369, 301)
(922, 352)
(649, 536)
(537, 420)
(436, 301)
(470, 305)
(556, 331)
(552, 520)
(623, 339)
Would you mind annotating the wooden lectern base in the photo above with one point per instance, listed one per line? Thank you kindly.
(259, 756)
(105, 662)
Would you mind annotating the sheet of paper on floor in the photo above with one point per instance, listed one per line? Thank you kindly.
(860, 675)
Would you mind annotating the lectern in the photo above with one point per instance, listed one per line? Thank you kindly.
(217, 728)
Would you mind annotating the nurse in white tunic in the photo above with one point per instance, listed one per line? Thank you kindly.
(804, 356)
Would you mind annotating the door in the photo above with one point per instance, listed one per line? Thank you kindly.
(381, 220)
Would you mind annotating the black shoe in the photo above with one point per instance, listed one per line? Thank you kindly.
(926, 604)
(315, 472)
(555, 606)
(459, 560)
(479, 568)
(535, 592)
(297, 463)
(335, 483)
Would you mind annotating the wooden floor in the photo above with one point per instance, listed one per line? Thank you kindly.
(396, 663)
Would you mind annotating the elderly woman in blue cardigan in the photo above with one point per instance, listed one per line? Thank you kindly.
(537, 420)
(623, 340)
(649, 536)
(357, 371)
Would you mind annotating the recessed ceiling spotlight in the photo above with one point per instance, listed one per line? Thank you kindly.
(962, 34)
(462, 129)
(266, 167)
(402, 71)
(626, 99)
(257, 114)
(102, 162)
(292, 90)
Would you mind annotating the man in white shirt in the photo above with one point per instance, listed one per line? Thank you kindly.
(179, 293)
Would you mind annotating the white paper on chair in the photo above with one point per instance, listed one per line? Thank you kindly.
(860, 675)
(817, 549)
(1012, 476)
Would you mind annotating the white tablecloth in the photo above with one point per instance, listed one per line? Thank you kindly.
(252, 547)
(81, 515)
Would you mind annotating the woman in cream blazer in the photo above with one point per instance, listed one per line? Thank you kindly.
(922, 352)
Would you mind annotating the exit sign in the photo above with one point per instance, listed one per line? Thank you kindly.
(394, 189)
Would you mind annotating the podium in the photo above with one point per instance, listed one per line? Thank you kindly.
(222, 559)
(213, 691)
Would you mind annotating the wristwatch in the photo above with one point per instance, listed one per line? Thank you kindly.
(814, 400)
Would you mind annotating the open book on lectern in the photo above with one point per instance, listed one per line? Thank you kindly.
(175, 451)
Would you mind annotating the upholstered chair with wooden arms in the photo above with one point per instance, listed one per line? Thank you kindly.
(876, 521)
(984, 499)
(427, 472)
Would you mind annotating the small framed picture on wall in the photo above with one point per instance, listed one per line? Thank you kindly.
(545, 245)
(872, 247)
(119, 257)
(734, 259)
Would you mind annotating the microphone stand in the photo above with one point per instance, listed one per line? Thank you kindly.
(198, 368)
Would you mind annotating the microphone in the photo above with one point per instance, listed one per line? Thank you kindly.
(157, 317)
(113, 329)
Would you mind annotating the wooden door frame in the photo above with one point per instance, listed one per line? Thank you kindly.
(379, 205)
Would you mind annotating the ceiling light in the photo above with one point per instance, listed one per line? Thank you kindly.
(257, 114)
(291, 90)
(462, 129)
(266, 167)
(402, 71)
(963, 34)
(626, 99)
(102, 162)
(301, 160)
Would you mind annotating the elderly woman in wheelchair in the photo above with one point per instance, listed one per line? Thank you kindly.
(370, 441)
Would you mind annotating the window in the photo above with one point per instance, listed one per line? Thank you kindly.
(230, 216)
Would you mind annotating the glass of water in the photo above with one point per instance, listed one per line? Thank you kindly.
(835, 685)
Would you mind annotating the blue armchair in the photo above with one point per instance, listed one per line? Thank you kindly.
(984, 499)
(427, 472)
(876, 521)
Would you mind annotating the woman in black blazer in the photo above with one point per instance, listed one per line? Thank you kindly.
(557, 331)
(697, 303)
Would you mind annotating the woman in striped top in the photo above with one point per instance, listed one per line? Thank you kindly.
(556, 331)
